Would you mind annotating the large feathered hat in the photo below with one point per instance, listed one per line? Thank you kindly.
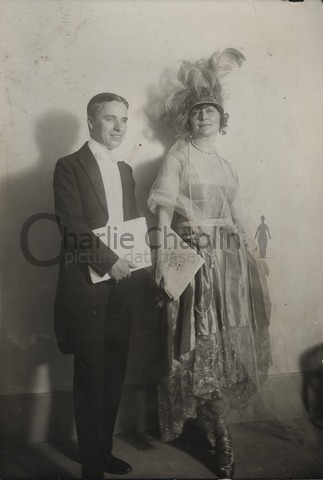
(201, 82)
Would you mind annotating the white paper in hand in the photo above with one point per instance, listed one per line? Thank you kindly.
(182, 263)
(128, 240)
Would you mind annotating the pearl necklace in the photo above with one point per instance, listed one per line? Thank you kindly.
(201, 149)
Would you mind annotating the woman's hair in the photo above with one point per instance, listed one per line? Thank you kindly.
(96, 102)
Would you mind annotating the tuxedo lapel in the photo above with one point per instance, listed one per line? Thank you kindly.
(91, 167)
(124, 184)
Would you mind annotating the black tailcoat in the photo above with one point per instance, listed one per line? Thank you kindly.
(81, 206)
(93, 321)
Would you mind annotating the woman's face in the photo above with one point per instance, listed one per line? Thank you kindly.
(204, 120)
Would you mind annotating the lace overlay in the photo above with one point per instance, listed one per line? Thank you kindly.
(215, 337)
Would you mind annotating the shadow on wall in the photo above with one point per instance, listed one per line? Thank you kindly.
(155, 131)
(145, 350)
(29, 358)
(312, 392)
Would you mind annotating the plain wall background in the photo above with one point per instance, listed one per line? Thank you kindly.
(56, 55)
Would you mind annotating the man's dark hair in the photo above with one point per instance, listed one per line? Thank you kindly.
(98, 100)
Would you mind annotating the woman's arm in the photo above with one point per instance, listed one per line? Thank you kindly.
(162, 202)
(165, 216)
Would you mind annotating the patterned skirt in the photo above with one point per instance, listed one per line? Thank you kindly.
(215, 337)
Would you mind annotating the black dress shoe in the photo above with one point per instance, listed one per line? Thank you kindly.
(116, 466)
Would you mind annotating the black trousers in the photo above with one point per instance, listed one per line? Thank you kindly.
(101, 343)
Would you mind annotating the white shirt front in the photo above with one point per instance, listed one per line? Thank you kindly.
(111, 180)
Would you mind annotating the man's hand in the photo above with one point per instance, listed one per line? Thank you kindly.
(121, 269)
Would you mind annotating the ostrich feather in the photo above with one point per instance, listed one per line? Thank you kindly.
(207, 72)
(223, 63)
(192, 76)
(173, 109)
(173, 104)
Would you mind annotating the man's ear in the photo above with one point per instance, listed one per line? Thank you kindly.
(90, 122)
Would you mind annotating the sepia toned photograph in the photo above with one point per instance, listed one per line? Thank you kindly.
(161, 242)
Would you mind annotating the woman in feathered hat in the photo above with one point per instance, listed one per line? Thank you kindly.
(216, 334)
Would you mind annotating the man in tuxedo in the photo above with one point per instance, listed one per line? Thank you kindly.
(93, 321)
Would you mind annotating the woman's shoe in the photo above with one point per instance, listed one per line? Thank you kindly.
(224, 459)
(211, 414)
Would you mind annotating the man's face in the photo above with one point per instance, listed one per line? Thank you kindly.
(110, 124)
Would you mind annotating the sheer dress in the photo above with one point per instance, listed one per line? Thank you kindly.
(215, 337)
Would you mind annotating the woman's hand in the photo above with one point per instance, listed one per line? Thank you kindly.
(252, 247)
(160, 270)
(157, 280)
(265, 266)
(165, 215)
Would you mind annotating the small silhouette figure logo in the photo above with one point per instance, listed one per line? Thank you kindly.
(262, 231)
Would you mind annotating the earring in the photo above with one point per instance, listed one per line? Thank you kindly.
(224, 124)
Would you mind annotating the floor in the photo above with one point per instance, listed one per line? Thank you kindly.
(262, 450)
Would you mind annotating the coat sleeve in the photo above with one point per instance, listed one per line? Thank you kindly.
(77, 235)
